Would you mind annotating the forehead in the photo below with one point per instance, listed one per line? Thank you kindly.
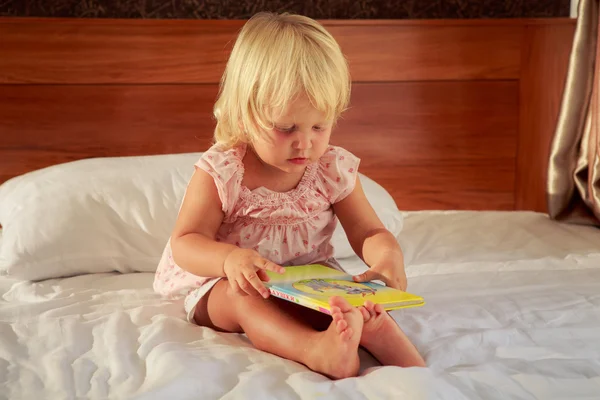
(300, 109)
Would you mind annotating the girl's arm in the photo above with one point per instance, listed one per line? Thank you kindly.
(366, 233)
(369, 238)
(193, 237)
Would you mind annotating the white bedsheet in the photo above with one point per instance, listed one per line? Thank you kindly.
(513, 311)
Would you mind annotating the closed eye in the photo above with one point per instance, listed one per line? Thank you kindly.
(286, 129)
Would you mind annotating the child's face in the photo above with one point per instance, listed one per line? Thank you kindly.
(300, 137)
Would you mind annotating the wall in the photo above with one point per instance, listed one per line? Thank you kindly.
(323, 9)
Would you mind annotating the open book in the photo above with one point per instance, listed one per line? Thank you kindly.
(312, 285)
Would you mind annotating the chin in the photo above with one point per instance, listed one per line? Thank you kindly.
(288, 167)
(293, 168)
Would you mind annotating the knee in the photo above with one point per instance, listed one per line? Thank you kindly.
(219, 309)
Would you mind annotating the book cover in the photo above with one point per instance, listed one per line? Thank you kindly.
(312, 285)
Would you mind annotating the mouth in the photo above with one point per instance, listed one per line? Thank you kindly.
(298, 160)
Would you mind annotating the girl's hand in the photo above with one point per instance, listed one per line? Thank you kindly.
(245, 270)
(389, 270)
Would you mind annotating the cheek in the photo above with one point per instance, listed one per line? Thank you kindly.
(322, 140)
(281, 138)
(272, 141)
(264, 148)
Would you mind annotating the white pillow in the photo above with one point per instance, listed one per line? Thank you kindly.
(111, 214)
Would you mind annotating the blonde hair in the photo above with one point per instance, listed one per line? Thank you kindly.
(275, 58)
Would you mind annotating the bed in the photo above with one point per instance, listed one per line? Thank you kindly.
(454, 122)
(512, 311)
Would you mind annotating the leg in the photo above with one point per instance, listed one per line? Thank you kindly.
(317, 320)
(383, 338)
(333, 352)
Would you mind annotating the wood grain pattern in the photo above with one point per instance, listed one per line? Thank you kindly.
(40, 125)
(392, 53)
(69, 52)
(464, 120)
(546, 53)
(145, 51)
(437, 126)
(464, 131)
(436, 144)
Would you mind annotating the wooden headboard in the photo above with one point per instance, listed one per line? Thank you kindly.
(445, 114)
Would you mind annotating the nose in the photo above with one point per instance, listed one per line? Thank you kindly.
(303, 140)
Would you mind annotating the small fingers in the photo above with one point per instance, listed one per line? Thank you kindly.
(269, 265)
(262, 275)
(253, 285)
(235, 288)
(245, 286)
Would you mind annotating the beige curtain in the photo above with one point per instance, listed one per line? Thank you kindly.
(573, 190)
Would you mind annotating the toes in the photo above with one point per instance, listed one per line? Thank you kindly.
(374, 309)
(341, 325)
(347, 334)
(336, 313)
(370, 307)
(341, 303)
(365, 313)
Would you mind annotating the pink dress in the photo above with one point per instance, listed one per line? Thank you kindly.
(290, 228)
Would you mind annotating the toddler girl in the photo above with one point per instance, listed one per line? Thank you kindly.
(269, 194)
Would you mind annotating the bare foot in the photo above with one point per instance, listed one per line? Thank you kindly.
(335, 351)
(383, 338)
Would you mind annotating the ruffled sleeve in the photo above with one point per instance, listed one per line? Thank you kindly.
(224, 166)
(338, 170)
